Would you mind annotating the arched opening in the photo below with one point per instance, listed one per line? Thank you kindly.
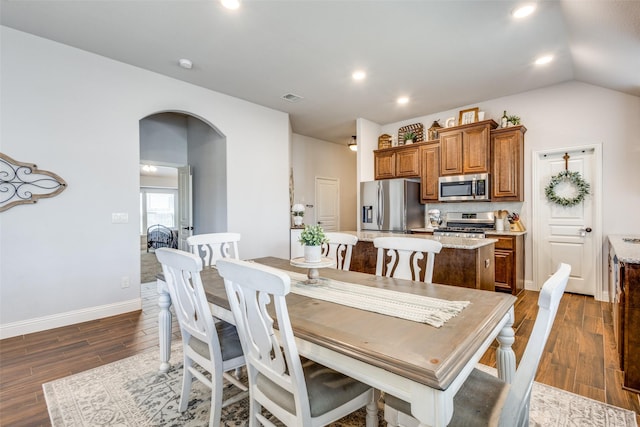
(172, 141)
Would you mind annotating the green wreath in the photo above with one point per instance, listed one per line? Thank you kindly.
(581, 186)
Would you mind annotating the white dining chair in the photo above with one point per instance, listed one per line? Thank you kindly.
(339, 247)
(404, 254)
(211, 247)
(297, 394)
(214, 347)
(485, 400)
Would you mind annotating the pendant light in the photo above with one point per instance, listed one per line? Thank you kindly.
(353, 145)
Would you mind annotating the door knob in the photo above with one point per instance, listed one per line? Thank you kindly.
(584, 231)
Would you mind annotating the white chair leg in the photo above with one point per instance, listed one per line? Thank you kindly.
(187, 379)
(216, 399)
(254, 409)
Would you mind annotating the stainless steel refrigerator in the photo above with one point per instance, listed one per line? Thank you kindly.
(391, 205)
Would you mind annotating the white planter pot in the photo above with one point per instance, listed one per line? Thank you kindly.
(297, 220)
(312, 253)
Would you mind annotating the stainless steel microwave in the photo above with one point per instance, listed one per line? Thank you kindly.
(459, 188)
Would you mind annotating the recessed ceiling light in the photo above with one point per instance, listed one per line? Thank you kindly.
(544, 60)
(403, 100)
(185, 63)
(230, 4)
(359, 75)
(524, 10)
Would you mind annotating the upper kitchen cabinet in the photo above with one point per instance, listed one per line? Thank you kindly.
(507, 164)
(430, 172)
(465, 149)
(397, 162)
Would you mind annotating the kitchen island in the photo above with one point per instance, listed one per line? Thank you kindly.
(461, 262)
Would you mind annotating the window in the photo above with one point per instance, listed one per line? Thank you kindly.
(157, 206)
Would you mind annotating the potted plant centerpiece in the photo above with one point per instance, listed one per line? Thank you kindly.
(312, 238)
(409, 137)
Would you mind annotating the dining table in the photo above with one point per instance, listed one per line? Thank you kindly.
(422, 364)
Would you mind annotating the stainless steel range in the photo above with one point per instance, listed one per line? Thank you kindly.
(468, 225)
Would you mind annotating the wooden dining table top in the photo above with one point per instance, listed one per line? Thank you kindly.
(423, 353)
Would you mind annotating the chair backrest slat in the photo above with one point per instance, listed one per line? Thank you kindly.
(405, 254)
(340, 248)
(211, 247)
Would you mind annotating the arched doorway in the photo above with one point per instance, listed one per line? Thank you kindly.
(177, 139)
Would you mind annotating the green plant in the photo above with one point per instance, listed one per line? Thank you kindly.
(297, 213)
(514, 120)
(409, 135)
(313, 235)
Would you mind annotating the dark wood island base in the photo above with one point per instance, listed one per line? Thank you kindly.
(469, 268)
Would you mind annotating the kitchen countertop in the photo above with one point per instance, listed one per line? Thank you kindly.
(447, 242)
(487, 232)
(625, 251)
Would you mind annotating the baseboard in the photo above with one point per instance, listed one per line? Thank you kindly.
(529, 286)
(69, 318)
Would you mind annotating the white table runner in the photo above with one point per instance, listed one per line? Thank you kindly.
(418, 308)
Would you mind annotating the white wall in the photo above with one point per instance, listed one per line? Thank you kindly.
(77, 114)
(315, 158)
(207, 156)
(163, 139)
(568, 115)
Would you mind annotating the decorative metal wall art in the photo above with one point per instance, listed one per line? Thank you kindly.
(22, 183)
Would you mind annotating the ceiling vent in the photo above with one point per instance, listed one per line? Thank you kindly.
(291, 97)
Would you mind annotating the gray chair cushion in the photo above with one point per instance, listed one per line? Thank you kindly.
(479, 401)
(229, 342)
(327, 389)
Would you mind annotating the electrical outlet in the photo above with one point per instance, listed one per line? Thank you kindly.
(124, 282)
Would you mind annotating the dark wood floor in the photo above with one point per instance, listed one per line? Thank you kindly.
(579, 357)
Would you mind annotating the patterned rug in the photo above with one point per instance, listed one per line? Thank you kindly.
(131, 392)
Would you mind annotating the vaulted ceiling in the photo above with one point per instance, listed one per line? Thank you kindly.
(442, 54)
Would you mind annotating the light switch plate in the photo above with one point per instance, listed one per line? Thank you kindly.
(119, 218)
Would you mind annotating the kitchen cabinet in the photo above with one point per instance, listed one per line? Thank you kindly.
(507, 164)
(465, 149)
(509, 263)
(626, 306)
(397, 162)
(384, 163)
(429, 172)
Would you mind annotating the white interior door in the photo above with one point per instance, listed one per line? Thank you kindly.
(568, 234)
(328, 203)
(185, 211)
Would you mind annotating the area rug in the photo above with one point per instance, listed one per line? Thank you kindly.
(131, 392)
